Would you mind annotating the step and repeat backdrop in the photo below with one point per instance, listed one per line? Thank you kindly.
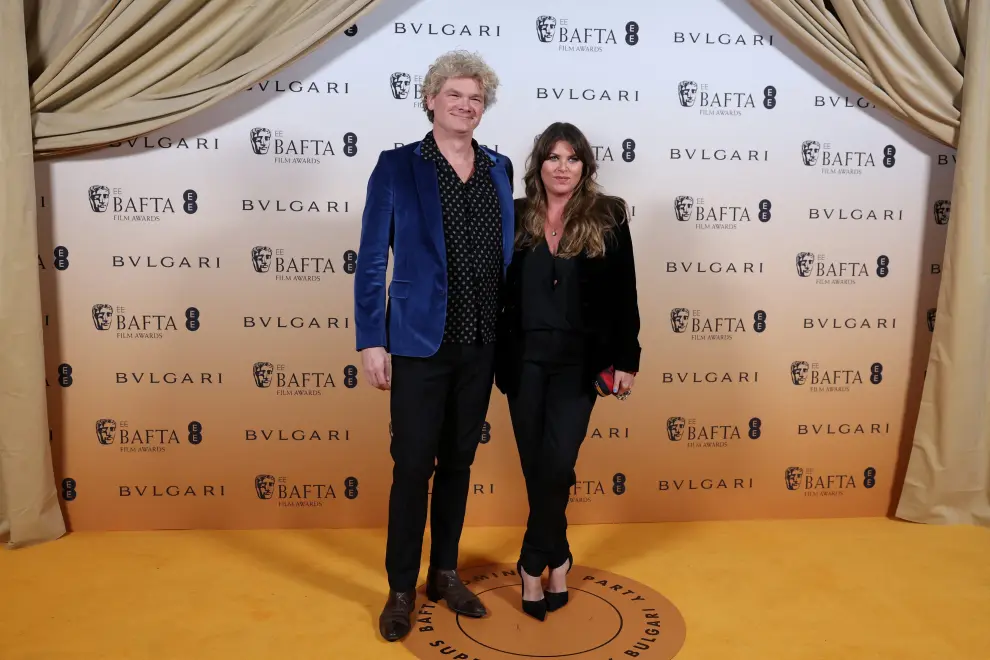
(198, 281)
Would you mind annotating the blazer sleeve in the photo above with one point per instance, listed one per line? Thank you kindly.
(372, 260)
(623, 287)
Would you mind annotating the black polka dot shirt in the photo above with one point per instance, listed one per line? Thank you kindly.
(472, 229)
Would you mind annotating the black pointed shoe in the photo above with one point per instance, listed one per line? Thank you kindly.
(447, 585)
(556, 600)
(395, 622)
(534, 608)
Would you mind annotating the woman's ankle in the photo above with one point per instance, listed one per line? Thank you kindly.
(558, 578)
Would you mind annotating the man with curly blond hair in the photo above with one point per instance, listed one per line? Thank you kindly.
(443, 206)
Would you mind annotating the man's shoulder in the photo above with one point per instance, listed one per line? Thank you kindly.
(401, 151)
(497, 158)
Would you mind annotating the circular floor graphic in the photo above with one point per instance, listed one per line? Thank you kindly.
(607, 616)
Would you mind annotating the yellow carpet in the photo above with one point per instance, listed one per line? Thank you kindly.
(788, 590)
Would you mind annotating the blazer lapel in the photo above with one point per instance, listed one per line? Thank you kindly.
(504, 191)
(428, 191)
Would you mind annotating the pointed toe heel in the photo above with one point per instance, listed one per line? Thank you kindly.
(534, 608)
(556, 600)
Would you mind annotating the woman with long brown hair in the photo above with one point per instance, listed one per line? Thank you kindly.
(568, 333)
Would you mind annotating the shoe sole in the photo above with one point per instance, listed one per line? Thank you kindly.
(394, 639)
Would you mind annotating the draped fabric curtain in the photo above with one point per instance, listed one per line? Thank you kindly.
(927, 62)
(77, 76)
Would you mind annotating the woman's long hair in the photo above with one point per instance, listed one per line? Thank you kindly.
(588, 215)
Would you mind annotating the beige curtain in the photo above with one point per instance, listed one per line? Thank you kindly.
(927, 62)
(77, 75)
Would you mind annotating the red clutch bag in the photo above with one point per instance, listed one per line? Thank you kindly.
(605, 381)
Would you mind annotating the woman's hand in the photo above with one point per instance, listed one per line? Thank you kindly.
(622, 383)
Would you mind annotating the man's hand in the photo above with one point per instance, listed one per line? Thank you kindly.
(377, 367)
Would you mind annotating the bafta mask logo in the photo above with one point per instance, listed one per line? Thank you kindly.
(261, 139)
(792, 477)
(545, 26)
(683, 205)
(263, 374)
(679, 319)
(102, 316)
(799, 372)
(805, 262)
(105, 428)
(264, 485)
(942, 208)
(99, 198)
(400, 83)
(675, 428)
(930, 315)
(261, 258)
(809, 152)
(687, 93)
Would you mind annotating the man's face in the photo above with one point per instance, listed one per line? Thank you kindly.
(458, 107)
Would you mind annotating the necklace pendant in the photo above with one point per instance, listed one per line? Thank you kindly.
(553, 233)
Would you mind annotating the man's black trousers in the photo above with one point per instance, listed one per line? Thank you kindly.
(438, 407)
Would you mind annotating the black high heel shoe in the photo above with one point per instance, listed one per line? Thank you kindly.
(534, 608)
(556, 600)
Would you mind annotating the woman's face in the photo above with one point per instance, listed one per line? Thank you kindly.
(561, 171)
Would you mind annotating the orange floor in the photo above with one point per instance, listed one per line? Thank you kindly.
(788, 590)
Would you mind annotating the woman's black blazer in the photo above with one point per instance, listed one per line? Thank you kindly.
(609, 306)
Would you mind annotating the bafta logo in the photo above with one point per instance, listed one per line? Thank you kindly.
(264, 485)
(687, 93)
(809, 152)
(400, 83)
(105, 429)
(792, 477)
(261, 139)
(261, 258)
(942, 208)
(545, 26)
(930, 315)
(263, 373)
(804, 261)
(678, 319)
(799, 372)
(102, 316)
(683, 205)
(675, 428)
(99, 198)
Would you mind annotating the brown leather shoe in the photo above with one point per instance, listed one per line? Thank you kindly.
(394, 622)
(447, 585)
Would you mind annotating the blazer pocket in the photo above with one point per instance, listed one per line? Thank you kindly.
(398, 289)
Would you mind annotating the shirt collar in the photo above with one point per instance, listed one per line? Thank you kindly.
(431, 151)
